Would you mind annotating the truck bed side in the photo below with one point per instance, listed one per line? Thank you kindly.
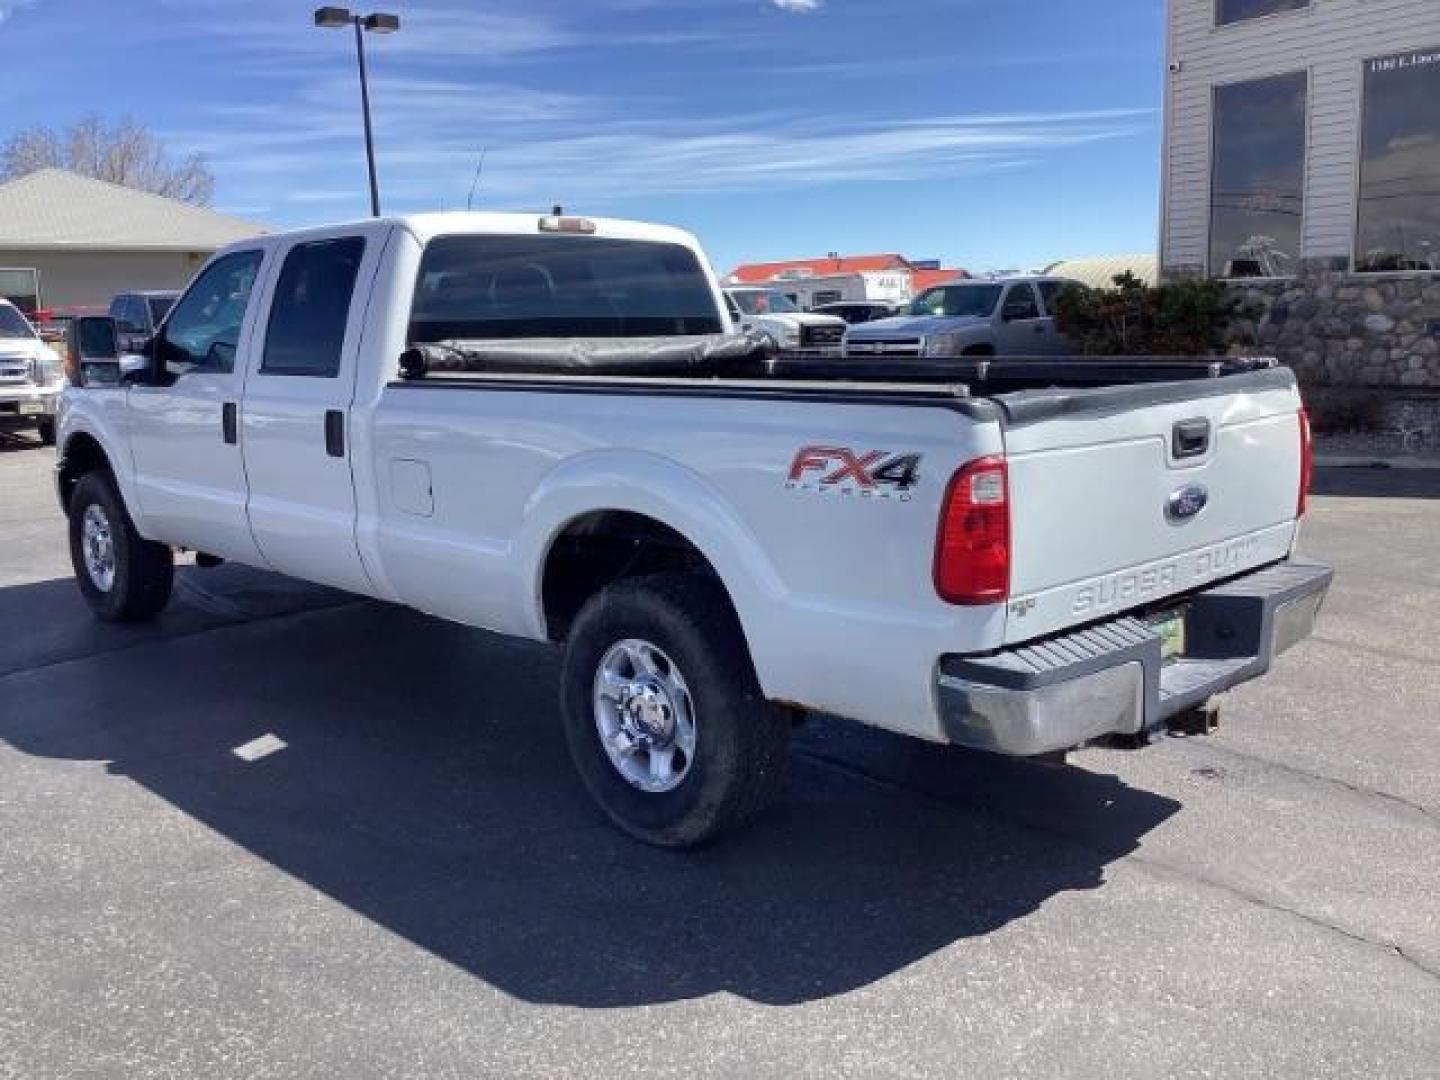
(785, 494)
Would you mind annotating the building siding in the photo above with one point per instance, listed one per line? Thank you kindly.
(93, 277)
(1331, 40)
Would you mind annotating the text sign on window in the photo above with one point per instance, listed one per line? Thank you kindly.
(1404, 61)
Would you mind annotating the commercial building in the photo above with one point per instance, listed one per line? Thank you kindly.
(1302, 160)
(84, 240)
(812, 282)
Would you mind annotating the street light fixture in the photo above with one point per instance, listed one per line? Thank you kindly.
(336, 18)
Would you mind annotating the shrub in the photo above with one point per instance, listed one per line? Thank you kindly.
(1183, 318)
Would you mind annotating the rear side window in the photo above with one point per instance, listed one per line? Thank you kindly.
(515, 287)
(311, 308)
(1050, 292)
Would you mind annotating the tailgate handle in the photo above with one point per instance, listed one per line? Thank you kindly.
(1190, 438)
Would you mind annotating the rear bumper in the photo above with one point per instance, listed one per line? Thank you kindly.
(1109, 679)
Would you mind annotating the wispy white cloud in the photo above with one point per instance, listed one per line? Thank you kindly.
(800, 6)
(586, 157)
(9, 7)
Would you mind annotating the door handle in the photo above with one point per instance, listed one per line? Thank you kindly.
(229, 428)
(335, 433)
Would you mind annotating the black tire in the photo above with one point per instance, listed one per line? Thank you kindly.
(742, 741)
(143, 571)
(46, 430)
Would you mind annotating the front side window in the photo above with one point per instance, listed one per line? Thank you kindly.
(311, 308)
(516, 287)
(132, 316)
(203, 332)
(957, 301)
(760, 302)
(1020, 304)
(1399, 223)
(13, 324)
(1257, 179)
(1233, 11)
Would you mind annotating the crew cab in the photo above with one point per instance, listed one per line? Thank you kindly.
(771, 314)
(547, 427)
(998, 317)
(31, 376)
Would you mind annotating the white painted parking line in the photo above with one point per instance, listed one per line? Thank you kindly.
(256, 749)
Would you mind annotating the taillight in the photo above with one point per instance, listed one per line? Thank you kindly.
(1307, 462)
(972, 552)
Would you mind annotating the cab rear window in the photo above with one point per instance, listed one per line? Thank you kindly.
(513, 287)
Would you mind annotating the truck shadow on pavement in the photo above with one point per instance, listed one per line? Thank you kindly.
(424, 783)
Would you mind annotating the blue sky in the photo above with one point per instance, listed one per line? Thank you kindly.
(990, 133)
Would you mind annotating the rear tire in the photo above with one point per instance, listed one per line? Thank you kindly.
(46, 430)
(660, 664)
(123, 576)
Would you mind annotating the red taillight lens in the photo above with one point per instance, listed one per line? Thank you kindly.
(1307, 463)
(972, 553)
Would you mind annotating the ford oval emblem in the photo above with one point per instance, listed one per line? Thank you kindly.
(1184, 503)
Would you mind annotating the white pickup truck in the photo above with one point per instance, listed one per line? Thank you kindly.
(544, 426)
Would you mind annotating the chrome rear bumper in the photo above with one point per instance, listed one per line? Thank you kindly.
(1109, 679)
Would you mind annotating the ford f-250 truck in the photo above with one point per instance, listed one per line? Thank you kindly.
(31, 376)
(544, 426)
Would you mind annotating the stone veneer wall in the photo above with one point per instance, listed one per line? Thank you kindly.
(1366, 348)
(1340, 329)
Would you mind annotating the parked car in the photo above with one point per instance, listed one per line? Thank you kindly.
(1013, 572)
(138, 313)
(773, 315)
(861, 311)
(1001, 317)
(31, 376)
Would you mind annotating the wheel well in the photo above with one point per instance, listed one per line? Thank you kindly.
(604, 547)
(83, 454)
(978, 350)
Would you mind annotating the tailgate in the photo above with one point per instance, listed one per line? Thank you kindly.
(1122, 496)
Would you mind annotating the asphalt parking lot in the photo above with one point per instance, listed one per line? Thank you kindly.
(415, 885)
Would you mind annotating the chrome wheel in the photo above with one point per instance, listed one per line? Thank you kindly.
(98, 544)
(644, 716)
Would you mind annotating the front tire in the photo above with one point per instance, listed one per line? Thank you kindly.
(123, 576)
(663, 714)
(46, 430)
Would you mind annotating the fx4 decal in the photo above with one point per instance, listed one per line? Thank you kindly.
(874, 474)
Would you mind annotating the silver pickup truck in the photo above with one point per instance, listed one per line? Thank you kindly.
(999, 317)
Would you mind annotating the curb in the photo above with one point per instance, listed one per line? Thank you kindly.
(1364, 461)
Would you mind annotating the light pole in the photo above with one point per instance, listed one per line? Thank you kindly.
(335, 18)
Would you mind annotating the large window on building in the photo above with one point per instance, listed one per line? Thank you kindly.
(1399, 226)
(1257, 180)
(1233, 11)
